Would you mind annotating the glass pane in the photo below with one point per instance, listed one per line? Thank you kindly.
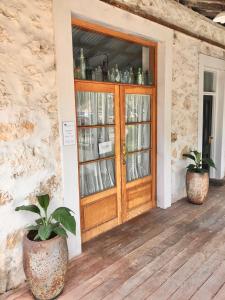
(137, 137)
(137, 108)
(138, 165)
(95, 143)
(105, 58)
(95, 108)
(209, 82)
(96, 177)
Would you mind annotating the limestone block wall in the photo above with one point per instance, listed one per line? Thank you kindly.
(29, 130)
(29, 133)
(185, 82)
(185, 101)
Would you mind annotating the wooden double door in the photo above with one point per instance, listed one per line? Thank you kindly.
(116, 133)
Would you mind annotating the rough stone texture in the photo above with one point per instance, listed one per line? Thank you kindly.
(185, 100)
(177, 14)
(29, 138)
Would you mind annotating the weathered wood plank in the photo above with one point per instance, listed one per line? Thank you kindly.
(154, 282)
(190, 267)
(125, 267)
(176, 253)
(220, 295)
(209, 289)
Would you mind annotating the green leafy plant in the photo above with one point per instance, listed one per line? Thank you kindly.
(198, 162)
(48, 226)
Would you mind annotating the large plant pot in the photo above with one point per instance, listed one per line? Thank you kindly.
(197, 186)
(45, 266)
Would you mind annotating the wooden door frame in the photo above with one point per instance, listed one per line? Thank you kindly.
(122, 216)
(90, 86)
(148, 90)
(124, 22)
(119, 112)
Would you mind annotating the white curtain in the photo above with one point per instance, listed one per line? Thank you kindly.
(137, 136)
(137, 165)
(95, 109)
(137, 108)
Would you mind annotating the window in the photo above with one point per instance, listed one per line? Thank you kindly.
(101, 57)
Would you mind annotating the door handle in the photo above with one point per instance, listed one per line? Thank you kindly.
(210, 139)
(124, 153)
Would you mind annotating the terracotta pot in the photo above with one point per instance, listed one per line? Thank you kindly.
(197, 186)
(45, 266)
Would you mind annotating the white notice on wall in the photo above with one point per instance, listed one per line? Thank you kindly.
(105, 147)
(68, 133)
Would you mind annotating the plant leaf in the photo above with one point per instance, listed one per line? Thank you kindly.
(40, 221)
(44, 232)
(198, 156)
(191, 167)
(32, 208)
(189, 156)
(60, 231)
(32, 227)
(43, 200)
(63, 216)
(209, 162)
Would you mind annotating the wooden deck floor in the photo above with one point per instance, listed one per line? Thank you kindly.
(175, 254)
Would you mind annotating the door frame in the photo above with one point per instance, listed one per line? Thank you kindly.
(87, 201)
(217, 66)
(122, 186)
(143, 207)
(126, 22)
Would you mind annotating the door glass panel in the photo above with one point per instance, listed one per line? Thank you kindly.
(95, 143)
(209, 81)
(137, 137)
(96, 177)
(137, 108)
(137, 165)
(95, 108)
(207, 128)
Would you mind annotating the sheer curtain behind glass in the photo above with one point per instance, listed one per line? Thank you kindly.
(137, 136)
(95, 108)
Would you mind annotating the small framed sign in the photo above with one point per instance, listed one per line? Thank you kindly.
(105, 147)
(68, 133)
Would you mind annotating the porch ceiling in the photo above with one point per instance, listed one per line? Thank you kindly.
(207, 8)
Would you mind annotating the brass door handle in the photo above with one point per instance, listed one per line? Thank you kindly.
(210, 139)
(124, 153)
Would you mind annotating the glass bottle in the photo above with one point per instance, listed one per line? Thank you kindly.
(108, 76)
(117, 74)
(82, 64)
(99, 71)
(139, 76)
(93, 75)
(112, 75)
(131, 76)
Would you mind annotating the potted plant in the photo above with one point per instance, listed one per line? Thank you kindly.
(197, 178)
(45, 252)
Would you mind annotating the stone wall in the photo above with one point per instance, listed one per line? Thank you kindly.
(29, 135)
(185, 101)
(185, 85)
(29, 138)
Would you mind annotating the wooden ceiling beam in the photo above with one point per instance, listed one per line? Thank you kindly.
(207, 8)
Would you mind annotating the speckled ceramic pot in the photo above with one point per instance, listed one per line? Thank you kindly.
(45, 266)
(197, 186)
